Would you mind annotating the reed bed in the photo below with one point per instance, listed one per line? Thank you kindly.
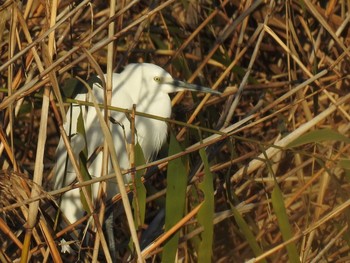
(266, 163)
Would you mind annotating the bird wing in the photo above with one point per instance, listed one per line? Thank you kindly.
(71, 204)
(120, 129)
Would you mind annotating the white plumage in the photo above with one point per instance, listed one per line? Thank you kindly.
(145, 85)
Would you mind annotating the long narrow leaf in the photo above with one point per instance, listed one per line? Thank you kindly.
(283, 222)
(175, 198)
(139, 201)
(344, 163)
(83, 157)
(248, 234)
(206, 213)
(319, 136)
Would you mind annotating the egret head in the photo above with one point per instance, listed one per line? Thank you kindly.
(156, 79)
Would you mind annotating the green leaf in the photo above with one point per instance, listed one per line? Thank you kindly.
(85, 174)
(175, 198)
(344, 163)
(248, 234)
(318, 136)
(25, 108)
(206, 213)
(158, 41)
(70, 87)
(283, 222)
(196, 239)
(139, 200)
(81, 129)
(83, 157)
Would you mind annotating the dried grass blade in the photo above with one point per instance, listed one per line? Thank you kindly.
(38, 174)
(256, 163)
(324, 23)
(147, 251)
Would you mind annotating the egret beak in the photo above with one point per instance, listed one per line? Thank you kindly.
(181, 85)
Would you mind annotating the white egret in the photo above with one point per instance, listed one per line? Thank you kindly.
(145, 85)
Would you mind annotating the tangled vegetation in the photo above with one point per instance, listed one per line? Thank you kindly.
(267, 162)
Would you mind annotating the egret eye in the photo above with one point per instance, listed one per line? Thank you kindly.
(157, 79)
